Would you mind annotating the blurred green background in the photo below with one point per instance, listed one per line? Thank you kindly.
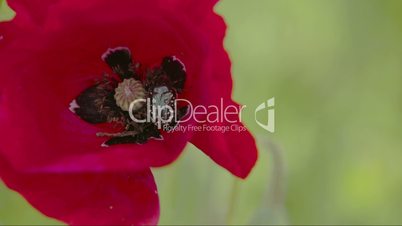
(335, 69)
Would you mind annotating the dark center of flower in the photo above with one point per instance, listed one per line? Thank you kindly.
(123, 96)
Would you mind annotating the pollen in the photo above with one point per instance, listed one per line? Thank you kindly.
(129, 91)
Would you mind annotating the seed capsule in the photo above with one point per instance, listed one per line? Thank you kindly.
(128, 91)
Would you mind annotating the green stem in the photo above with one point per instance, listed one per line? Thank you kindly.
(233, 201)
(275, 195)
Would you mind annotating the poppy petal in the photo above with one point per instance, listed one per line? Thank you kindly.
(37, 92)
(235, 149)
(89, 198)
(60, 141)
(33, 12)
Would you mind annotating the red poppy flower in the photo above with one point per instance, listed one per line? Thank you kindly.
(69, 68)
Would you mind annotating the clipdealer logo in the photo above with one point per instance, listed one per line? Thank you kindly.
(269, 107)
(222, 117)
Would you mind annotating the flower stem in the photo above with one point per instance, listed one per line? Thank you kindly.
(233, 201)
(273, 210)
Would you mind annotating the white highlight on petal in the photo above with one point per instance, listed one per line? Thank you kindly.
(73, 106)
(104, 145)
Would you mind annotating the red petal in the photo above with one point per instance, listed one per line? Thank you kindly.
(33, 12)
(41, 80)
(65, 59)
(234, 150)
(89, 199)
